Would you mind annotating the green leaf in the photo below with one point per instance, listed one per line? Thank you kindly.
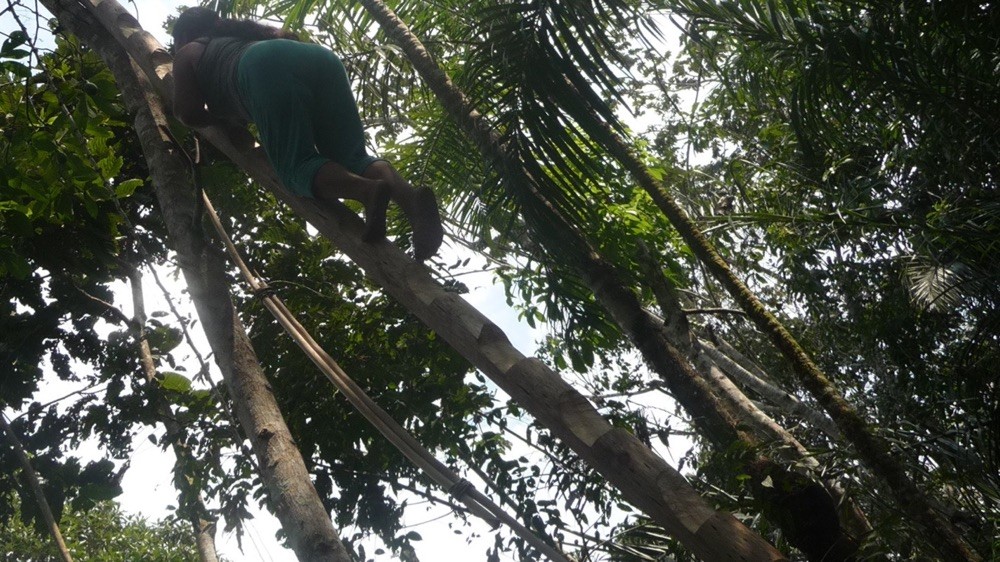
(19, 70)
(175, 382)
(164, 338)
(127, 188)
(14, 40)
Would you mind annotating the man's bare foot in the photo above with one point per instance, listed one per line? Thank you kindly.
(419, 206)
(426, 220)
(375, 209)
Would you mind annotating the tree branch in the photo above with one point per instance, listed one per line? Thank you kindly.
(36, 488)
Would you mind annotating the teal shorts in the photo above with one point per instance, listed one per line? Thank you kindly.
(299, 97)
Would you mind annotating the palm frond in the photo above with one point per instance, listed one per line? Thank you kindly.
(936, 287)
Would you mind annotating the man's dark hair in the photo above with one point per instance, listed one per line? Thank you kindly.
(194, 23)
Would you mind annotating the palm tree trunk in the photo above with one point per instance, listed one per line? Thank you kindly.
(295, 501)
(873, 450)
(826, 542)
(642, 477)
(718, 408)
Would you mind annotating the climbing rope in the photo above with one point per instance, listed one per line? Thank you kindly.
(459, 488)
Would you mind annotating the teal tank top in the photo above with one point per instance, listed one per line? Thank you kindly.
(217, 76)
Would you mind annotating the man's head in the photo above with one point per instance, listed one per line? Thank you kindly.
(192, 24)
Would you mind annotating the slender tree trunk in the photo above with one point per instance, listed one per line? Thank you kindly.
(204, 536)
(191, 500)
(823, 540)
(671, 303)
(36, 488)
(873, 450)
(784, 400)
(293, 498)
(644, 478)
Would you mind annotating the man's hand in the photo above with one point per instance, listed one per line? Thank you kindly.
(241, 138)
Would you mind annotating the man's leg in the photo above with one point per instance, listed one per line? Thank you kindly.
(418, 204)
(333, 182)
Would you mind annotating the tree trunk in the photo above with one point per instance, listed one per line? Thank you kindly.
(873, 450)
(645, 479)
(784, 400)
(292, 496)
(190, 500)
(804, 500)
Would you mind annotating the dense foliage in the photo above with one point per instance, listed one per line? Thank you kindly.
(101, 533)
(842, 155)
(856, 147)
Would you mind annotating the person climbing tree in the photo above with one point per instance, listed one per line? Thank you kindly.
(299, 97)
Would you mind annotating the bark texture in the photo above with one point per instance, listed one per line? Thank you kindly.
(290, 491)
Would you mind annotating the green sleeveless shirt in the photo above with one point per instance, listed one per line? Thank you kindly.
(217, 76)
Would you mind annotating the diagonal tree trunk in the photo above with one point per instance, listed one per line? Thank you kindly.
(293, 498)
(722, 372)
(645, 479)
(779, 397)
(873, 450)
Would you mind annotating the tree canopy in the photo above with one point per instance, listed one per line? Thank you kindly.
(102, 533)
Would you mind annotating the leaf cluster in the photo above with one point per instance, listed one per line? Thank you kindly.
(857, 146)
(101, 533)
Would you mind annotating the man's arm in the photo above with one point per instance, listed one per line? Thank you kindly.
(189, 103)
